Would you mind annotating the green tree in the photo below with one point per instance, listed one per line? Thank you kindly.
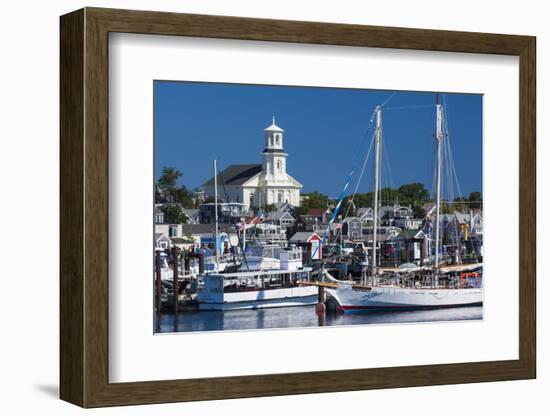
(168, 179)
(446, 208)
(270, 208)
(173, 214)
(412, 193)
(389, 196)
(312, 200)
(475, 199)
(362, 200)
(182, 196)
(418, 211)
(169, 191)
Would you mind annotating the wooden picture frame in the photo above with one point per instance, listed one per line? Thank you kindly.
(84, 207)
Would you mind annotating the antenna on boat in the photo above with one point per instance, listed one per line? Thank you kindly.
(378, 138)
(216, 208)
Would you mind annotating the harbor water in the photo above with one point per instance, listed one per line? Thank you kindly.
(302, 317)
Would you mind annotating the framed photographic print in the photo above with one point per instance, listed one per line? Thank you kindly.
(255, 207)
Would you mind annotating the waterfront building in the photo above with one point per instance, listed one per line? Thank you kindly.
(352, 228)
(310, 242)
(321, 214)
(186, 235)
(159, 215)
(228, 212)
(162, 242)
(284, 219)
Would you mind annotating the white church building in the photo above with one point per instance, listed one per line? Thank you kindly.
(258, 185)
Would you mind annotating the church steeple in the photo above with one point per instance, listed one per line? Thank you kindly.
(274, 156)
(273, 137)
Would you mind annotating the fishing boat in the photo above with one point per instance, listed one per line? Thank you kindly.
(432, 286)
(286, 286)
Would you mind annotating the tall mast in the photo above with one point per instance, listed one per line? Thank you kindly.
(438, 138)
(378, 139)
(216, 207)
(244, 234)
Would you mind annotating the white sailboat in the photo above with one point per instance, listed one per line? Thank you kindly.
(393, 292)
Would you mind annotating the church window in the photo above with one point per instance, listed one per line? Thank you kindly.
(278, 165)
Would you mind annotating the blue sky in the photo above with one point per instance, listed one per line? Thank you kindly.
(325, 132)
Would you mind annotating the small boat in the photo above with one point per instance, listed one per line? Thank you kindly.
(260, 289)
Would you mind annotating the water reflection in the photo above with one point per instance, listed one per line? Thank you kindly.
(300, 317)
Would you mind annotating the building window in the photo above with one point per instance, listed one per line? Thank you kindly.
(173, 231)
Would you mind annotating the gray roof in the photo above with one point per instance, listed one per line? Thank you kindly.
(302, 236)
(362, 210)
(276, 216)
(286, 207)
(205, 228)
(235, 175)
(160, 235)
(197, 228)
(408, 234)
(177, 240)
(350, 219)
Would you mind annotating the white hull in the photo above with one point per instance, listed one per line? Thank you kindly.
(259, 299)
(391, 297)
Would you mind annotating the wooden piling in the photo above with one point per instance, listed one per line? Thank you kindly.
(201, 263)
(176, 281)
(321, 298)
(159, 281)
(187, 263)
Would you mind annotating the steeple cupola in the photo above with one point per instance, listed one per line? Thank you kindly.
(273, 138)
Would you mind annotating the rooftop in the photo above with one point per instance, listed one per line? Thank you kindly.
(236, 174)
(316, 212)
(303, 236)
